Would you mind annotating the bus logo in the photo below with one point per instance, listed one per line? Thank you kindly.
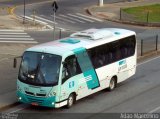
(71, 84)
(122, 65)
(122, 62)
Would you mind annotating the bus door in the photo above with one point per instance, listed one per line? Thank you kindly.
(86, 66)
(71, 73)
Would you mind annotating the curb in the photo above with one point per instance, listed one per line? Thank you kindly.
(44, 26)
(148, 55)
(20, 43)
(89, 11)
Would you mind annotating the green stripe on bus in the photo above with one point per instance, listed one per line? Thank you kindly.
(87, 68)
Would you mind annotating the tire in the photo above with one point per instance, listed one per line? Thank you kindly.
(112, 84)
(71, 100)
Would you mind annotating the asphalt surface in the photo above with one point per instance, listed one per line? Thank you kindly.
(7, 72)
(138, 94)
(66, 15)
(68, 2)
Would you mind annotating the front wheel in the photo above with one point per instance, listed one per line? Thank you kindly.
(70, 101)
(112, 84)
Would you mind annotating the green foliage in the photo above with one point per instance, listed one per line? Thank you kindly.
(140, 13)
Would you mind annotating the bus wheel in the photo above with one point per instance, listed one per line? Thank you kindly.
(112, 84)
(71, 100)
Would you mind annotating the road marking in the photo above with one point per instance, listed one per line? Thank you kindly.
(148, 61)
(154, 110)
(10, 30)
(16, 110)
(81, 18)
(31, 19)
(71, 18)
(49, 26)
(38, 21)
(20, 36)
(46, 20)
(25, 42)
(5, 33)
(3, 59)
(63, 19)
(90, 17)
(16, 39)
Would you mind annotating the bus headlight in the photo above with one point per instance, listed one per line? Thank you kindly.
(52, 94)
(19, 98)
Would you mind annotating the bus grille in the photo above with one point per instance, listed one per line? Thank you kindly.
(35, 100)
(40, 95)
(37, 94)
(29, 93)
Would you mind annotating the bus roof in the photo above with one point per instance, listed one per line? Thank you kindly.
(86, 39)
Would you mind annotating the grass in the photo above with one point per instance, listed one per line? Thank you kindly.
(140, 13)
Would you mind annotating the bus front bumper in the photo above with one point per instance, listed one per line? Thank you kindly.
(40, 101)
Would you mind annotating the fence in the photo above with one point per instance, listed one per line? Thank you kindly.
(148, 44)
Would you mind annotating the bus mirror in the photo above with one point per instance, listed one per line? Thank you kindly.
(15, 63)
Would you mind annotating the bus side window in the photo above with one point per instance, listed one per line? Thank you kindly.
(70, 68)
(131, 46)
(65, 74)
(127, 46)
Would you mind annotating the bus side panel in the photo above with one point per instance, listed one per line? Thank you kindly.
(71, 85)
(127, 69)
(127, 66)
(105, 73)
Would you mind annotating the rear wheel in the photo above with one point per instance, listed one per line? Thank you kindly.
(112, 84)
(71, 100)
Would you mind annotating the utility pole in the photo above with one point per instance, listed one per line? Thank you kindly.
(54, 26)
(55, 8)
(34, 17)
(24, 17)
(100, 3)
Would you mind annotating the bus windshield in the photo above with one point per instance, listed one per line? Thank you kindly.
(40, 69)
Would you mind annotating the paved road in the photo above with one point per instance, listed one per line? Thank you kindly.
(68, 3)
(18, 2)
(138, 94)
(70, 15)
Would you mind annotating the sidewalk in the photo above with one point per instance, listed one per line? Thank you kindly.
(111, 12)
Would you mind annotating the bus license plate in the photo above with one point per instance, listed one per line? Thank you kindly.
(34, 104)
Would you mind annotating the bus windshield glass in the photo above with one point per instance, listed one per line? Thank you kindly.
(40, 69)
